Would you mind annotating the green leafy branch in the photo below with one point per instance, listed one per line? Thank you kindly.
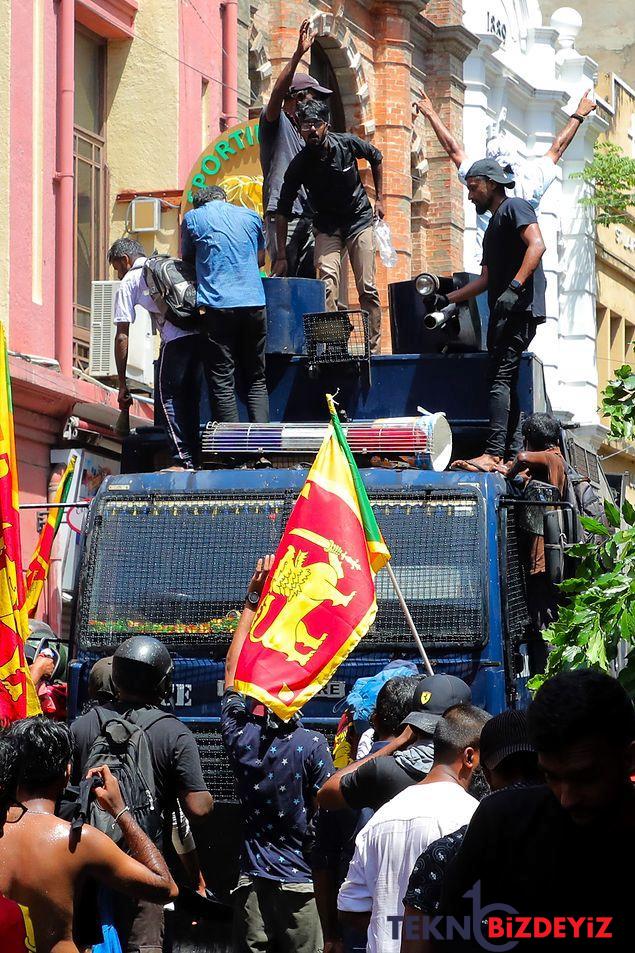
(611, 175)
(618, 404)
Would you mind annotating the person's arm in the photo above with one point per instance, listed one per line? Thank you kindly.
(188, 249)
(355, 898)
(472, 289)
(196, 805)
(454, 149)
(527, 459)
(124, 397)
(378, 182)
(325, 883)
(563, 140)
(288, 194)
(330, 796)
(256, 584)
(284, 80)
(261, 245)
(142, 873)
(412, 932)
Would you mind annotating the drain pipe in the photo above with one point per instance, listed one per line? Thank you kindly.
(230, 62)
(64, 226)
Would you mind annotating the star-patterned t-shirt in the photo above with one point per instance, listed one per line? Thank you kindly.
(278, 773)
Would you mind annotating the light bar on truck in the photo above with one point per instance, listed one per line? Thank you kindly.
(427, 438)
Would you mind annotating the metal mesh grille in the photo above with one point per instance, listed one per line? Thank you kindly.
(137, 580)
(151, 567)
(217, 770)
(333, 337)
(514, 590)
(585, 462)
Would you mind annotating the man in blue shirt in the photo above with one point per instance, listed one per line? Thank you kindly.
(279, 769)
(227, 245)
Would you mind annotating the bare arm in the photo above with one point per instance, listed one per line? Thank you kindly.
(453, 148)
(472, 289)
(532, 237)
(527, 459)
(411, 930)
(121, 361)
(330, 797)
(283, 82)
(563, 140)
(256, 584)
(378, 181)
(142, 872)
(326, 886)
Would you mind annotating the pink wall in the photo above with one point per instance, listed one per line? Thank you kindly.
(200, 46)
(32, 328)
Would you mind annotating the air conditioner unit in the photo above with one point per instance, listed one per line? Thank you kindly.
(101, 365)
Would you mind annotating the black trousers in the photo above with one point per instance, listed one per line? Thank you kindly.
(181, 376)
(506, 341)
(237, 338)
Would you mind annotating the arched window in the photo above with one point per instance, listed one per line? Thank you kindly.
(322, 70)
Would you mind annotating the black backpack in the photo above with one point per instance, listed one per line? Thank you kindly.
(579, 492)
(122, 745)
(172, 285)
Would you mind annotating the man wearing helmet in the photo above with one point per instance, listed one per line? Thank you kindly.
(142, 676)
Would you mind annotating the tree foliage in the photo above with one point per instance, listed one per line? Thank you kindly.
(611, 176)
(599, 604)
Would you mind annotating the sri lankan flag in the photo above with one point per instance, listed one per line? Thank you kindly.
(39, 566)
(17, 694)
(319, 599)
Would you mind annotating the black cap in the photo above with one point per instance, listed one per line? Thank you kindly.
(434, 694)
(143, 666)
(490, 169)
(504, 735)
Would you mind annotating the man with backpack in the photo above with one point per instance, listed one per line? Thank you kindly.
(43, 861)
(155, 759)
(181, 358)
(227, 245)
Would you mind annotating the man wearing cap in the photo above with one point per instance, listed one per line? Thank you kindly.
(343, 216)
(280, 141)
(404, 760)
(508, 760)
(512, 275)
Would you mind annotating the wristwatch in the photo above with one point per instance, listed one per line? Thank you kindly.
(252, 599)
(515, 286)
(578, 117)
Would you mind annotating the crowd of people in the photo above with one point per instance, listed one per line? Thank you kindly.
(456, 827)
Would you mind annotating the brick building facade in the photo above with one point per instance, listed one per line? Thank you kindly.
(377, 56)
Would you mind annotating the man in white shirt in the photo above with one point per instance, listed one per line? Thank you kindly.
(181, 367)
(387, 849)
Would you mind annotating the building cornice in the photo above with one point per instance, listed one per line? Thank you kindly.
(112, 19)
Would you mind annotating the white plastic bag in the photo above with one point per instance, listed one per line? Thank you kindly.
(383, 242)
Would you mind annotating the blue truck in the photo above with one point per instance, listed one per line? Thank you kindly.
(170, 553)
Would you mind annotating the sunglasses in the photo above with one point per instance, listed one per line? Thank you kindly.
(307, 124)
(11, 803)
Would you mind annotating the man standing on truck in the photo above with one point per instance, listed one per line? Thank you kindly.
(280, 141)
(279, 768)
(42, 863)
(512, 275)
(142, 676)
(227, 245)
(343, 217)
(181, 368)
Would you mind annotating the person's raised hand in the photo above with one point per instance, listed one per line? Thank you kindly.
(109, 794)
(280, 268)
(424, 106)
(586, 105)
(305, 38)
(259, 578)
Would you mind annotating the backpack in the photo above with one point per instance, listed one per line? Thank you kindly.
(172, 285)
(580, 493)
(122, 745)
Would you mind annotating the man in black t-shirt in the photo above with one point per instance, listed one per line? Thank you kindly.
(513, 277)
(142, 677)
(560, 851)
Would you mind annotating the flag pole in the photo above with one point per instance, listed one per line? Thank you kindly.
(409, 619)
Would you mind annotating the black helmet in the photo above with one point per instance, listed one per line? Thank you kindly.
(143, 666)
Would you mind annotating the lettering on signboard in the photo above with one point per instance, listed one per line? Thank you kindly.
(496, 26)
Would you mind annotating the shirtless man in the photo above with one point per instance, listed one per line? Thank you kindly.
(42, 867)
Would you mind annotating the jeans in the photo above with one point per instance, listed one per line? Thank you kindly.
(506, 341)
(237, 338)
(329, 251)
(181, 373)
(300, 245)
